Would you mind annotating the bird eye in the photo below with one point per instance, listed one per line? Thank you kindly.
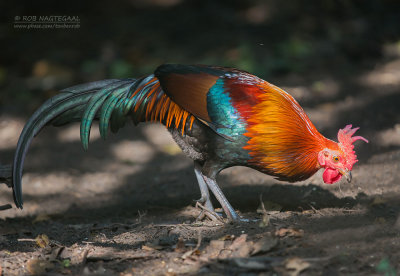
(335, 159)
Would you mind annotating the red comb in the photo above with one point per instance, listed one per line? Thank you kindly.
(346, 144)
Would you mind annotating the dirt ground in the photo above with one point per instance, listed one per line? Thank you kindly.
(126, 206)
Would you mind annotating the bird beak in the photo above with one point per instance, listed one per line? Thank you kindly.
(346, 173)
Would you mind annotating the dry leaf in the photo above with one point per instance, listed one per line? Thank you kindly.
(264, 221)
(238, 242)
(227, 238)
(147, 248)
(289, 232)
(42, 240)
(271, 206)
(296, 265)
(264, 245)
(308, 212)
(240, 247)
(243, 251)
(38, 267)
(217, 244)
(170, 273)
(217, 249)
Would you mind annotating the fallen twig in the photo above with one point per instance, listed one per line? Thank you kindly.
(210, 214)
(350, 210)
(26, 240)
(183, 225)
(51, 242)
(190, 252)
(141, 215)
(315, 210)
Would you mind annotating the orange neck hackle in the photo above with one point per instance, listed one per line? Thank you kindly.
(283, 141)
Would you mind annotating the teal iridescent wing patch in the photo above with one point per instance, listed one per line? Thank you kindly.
(225, 118)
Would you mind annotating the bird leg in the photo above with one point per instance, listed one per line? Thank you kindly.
(204, 203)
(205, 195)
(228, 209)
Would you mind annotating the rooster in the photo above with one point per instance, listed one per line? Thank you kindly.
(220, 117)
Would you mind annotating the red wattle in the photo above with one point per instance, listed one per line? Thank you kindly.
(331, 176)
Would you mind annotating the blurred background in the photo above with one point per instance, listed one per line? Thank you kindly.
(317, 45)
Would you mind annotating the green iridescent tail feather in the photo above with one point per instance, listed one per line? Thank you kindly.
(109, 101)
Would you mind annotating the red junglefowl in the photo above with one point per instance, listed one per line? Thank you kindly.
(220, 117)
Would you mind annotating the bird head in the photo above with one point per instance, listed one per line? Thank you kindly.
(339, 162)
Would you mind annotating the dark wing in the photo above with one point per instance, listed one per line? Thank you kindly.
(216, 95)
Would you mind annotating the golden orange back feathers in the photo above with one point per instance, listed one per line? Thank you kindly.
(160, 107)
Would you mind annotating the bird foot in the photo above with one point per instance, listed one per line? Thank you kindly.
(240, 219)
(205, 212)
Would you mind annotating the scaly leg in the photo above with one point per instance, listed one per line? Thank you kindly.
(228, 209)
(205, 195)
